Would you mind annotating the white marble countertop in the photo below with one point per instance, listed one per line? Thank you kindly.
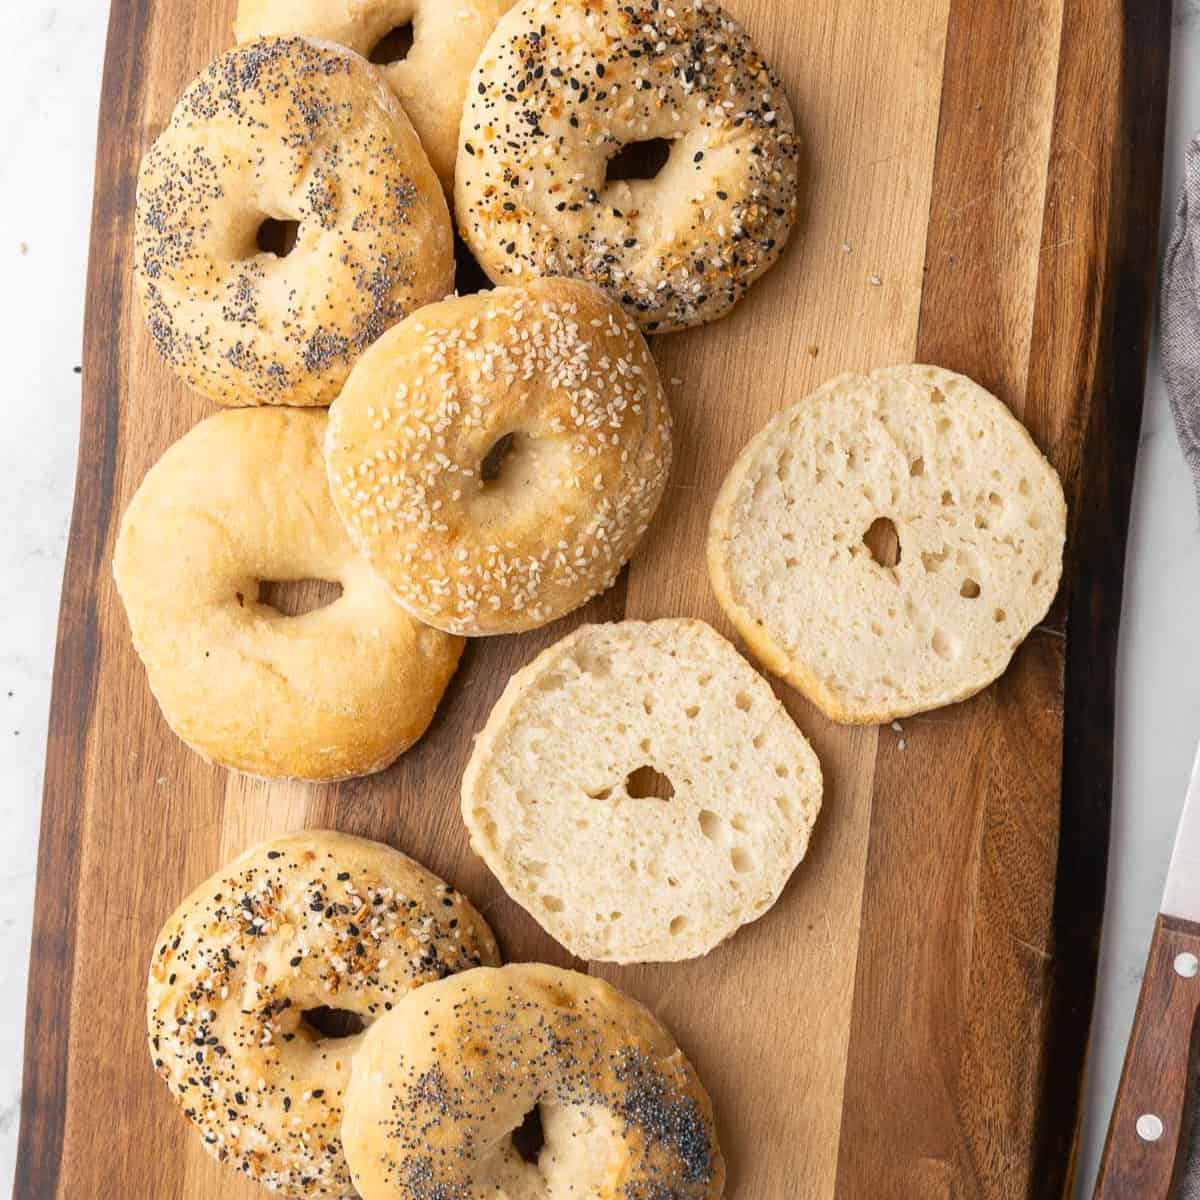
(49, 91)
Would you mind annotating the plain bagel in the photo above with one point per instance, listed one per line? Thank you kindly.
(306, 922)
(498, 457)
(430, 80)
(285, 130)
(442, 1081)
(339, 691)
(562, 87)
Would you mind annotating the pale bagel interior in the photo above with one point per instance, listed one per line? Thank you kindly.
(552, 792)
(980, 519)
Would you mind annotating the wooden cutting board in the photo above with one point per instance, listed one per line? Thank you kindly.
(981, 191)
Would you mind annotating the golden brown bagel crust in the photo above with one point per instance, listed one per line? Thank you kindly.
(561, 370)
(304, 921)
(430, 80)
(336, 692)
(441, 1082)
(294, 130)
(561, 86)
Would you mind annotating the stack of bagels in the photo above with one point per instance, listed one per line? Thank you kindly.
(474, 465)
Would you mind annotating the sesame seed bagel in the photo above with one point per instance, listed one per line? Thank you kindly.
(560, 88)
(305, 922)
(498, 457)
(287, 130)
(430, 80)
(974, 518)
(444, 1079)
(332, 693)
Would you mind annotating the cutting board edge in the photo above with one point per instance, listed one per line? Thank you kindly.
(52, 948)
(1096, 588)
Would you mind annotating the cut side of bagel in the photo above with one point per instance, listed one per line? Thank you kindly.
(887, 543)
(641, 791)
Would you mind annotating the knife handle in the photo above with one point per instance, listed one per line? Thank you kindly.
(1145, 1150)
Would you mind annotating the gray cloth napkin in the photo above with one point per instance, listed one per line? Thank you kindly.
(1180, 327)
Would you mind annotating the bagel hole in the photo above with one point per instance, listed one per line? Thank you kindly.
(528, 1138)
(492, 466)
(469, 277)
(638, 160)
(333, 1022)
(393, 47)
(295, 597)
(277, 237)
(883, 542)
(648, 784)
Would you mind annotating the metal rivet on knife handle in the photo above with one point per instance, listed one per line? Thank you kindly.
(1187, 966)
(1149, 1127)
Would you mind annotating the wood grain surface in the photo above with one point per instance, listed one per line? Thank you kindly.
(981, 191)
(1147, 1148)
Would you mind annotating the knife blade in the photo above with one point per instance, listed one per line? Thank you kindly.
(1145, 1151)
(1181, 896)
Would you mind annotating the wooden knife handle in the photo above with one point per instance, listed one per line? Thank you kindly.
(1146, 1147)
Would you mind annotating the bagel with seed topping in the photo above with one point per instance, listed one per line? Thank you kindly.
(430, 80)
(244, 969)
(442, 1082)
(498, 457)
(562, 89)
(278, 131)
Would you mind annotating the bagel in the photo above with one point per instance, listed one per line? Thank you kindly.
(285, 129)
(942, 466)
(498, 457)
(557, 804)
(430, 80)
(442, 1081)
(561, 88)
(333, 693)
(304, 922)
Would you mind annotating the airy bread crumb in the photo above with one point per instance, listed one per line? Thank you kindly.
(887, 543)
(641, 791)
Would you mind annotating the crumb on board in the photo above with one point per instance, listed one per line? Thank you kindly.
(875, 280)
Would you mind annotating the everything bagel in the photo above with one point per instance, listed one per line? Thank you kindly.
(285, 130)
(561, 88)
(307, 921)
